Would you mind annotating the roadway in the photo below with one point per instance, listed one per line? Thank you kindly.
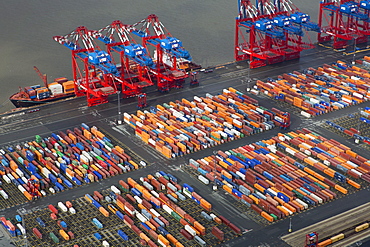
(19, 128)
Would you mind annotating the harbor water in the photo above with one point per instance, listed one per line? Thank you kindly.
(205, 27)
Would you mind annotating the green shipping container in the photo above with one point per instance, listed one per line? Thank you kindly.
(299, 195)
(322, 187)
(38, 138)
(176, 216)
(274, 216)
(54, 238)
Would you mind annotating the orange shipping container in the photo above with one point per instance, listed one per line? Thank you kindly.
(267, 216)
(104, 211)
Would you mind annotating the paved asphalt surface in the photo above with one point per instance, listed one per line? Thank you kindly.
(17, 128)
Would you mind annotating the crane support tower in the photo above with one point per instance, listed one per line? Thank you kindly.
(135, 63)
(170, 56)
(271, 32)
(344, 20)
(92, 68)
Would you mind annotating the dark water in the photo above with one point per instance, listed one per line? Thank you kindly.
(206, 28)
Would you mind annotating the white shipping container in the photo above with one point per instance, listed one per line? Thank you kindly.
(357, 172)
(351, 164)
(282, 138)
(227, 125)
(255, 92)
(62, 207)
(288, 150)
(105, 243)
(25, 180)
(4, 194)
(203, 179)
(270, 156)
(272, 191)
(260, 110)
(313, 160)
(11, 177)
(141, 217)
(190, 230)
(316, 197)
(52, 191)
(138, 199)
(231, 100)
(308, 152)
(167, 209)
(240, 175)
(213, 216)
(196, 98)
(305, 114)
(206, 162)
(154, 212)
(138, 124)
(305, 205)
(6, 179)
(290, 212)
(225, 91)
(142, 163)
(19, 172)
(208, 109)
(161, 243)
(358, 95)
(21, 228)
(186, 193)
(115, 190)
(21, 188)
(326, 162)
(72, 210)
(83, 158)
(151, 141)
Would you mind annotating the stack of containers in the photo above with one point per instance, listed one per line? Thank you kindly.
(8, 226)
(148, 198)
(42, 93)
(68, 87)
(332, 154)
(31, 92)
(14, 173)
(183, 127)
(62, 161)
(55, 88)
(318, 91)
(261, 174)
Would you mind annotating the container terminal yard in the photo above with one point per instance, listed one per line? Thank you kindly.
(22, 126)
(221, 156)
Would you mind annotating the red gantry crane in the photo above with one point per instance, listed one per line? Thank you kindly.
(135, 63)
(169, 54)
(271, 32)
(342, 21)
(93, 72)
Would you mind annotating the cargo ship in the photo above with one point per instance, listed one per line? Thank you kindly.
(60, 89)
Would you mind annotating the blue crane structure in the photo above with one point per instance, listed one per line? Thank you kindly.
(93, 70)
(344, 20)
(170, 56)
(271, 32)
(135, 62)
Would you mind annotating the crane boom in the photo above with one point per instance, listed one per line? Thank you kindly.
(43, 77)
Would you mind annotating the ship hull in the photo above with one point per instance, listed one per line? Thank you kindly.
(34, 102)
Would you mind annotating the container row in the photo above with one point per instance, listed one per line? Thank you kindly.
(286, 174)
(63, 161)
(321, 90)
(184, 126)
